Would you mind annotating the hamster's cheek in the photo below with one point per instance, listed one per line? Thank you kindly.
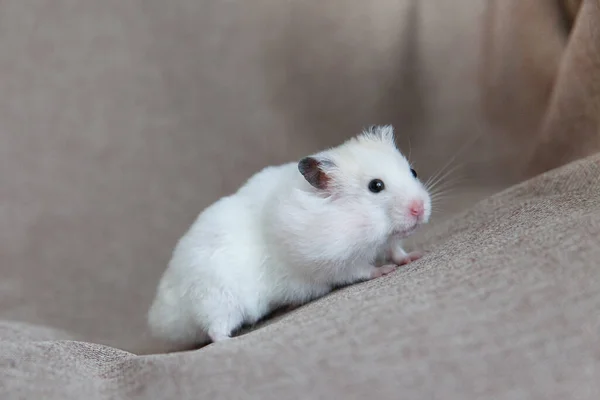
(359, 223)
(380, 222)
(364, 221)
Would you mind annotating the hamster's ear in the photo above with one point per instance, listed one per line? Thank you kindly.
(314, 169)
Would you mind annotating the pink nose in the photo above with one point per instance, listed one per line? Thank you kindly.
(416, 208)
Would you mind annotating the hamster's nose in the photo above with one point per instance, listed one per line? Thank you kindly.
(416, 208)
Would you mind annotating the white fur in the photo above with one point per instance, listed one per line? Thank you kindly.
(280, 241)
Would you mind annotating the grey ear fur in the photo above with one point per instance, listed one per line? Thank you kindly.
(313, 170)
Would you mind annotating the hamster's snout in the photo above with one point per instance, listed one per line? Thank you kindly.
(416, 208)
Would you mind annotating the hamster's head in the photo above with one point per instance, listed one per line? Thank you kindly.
(371, 184)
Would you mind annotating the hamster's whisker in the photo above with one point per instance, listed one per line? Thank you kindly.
(443, 195)
(437, 209)
(442, 174)
(443, 178)
(447, 185)
(460, 150)
(437, 201)
(440, 199)
(432, 185)
(442, 182)
(443, 168)
(440, 194)
(446, 190)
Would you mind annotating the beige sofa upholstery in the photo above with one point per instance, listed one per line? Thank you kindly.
(121, 120)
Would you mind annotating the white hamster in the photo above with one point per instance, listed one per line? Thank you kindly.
(289, 235)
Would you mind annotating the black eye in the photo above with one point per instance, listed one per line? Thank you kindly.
(376, 185)
(412, 171)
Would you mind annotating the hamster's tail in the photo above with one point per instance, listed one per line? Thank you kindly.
(170, 324)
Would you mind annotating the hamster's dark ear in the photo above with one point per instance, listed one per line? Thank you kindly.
(314, 171)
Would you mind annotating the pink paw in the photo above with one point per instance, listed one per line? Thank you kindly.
(383, 270)
(410, 257)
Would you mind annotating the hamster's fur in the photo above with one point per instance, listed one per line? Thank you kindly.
(289, 235)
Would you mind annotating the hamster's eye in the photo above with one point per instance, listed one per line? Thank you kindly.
(376, 185)
(412, 171)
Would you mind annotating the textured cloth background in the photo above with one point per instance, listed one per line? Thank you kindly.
(120, 121)
(504, 306)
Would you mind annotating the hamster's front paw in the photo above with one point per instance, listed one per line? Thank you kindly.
(383, 270)
(408, 258)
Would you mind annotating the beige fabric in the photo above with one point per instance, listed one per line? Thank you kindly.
(570, 129)
(504, 306)
(121, 120)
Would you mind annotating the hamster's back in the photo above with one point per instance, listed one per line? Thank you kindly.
(222, 250)
(266, 184)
